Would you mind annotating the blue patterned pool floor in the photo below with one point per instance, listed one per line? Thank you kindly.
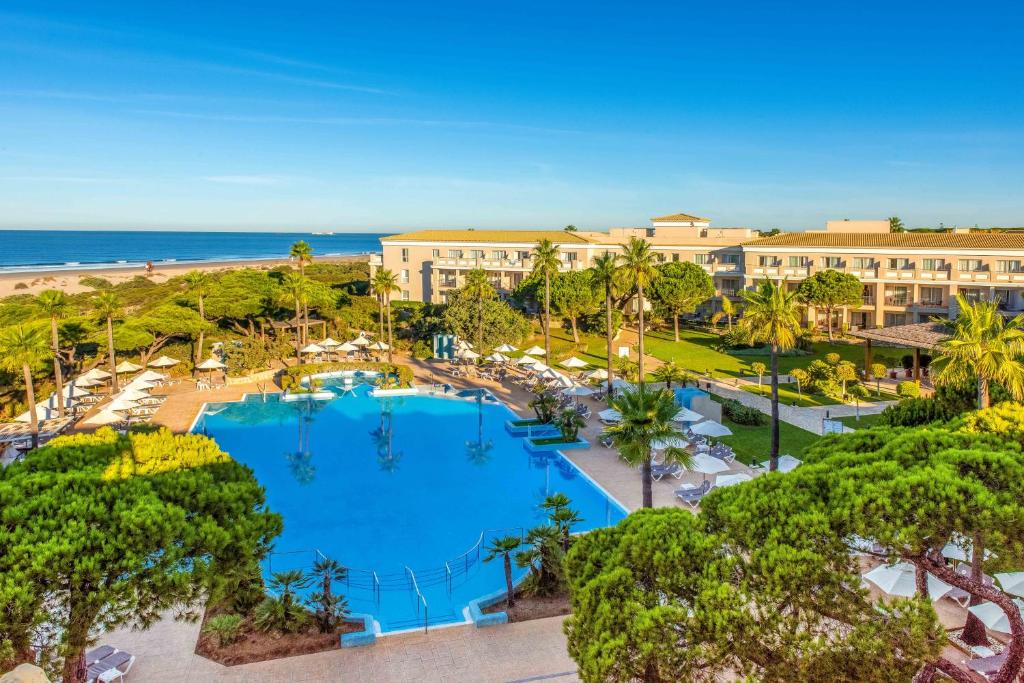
(406, 491)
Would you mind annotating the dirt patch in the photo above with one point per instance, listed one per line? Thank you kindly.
(256, 646)
(529, 607)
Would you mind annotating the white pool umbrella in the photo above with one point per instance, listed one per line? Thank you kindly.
(464, 345)
(1011, 582)
(47, 410)
(687, 415)
(505, 348)
(731, 479)
(563, 381)
(127, 366)
(787, 463)
(97, 374)
(468, 354)
(578, 391)
(313, 348)
(139, 385)
(599, 373)
(121, 404)
(706, 464)
(211, 364)
(498, 358)
(83, 382)
(711, 428)
(961, 549)
(547, 373)
(610, 415)
(620, 384)
(150, 376)
(330, 343)
(163, 362)
(527, 360)
(132, 394)
(74, 388)
(360, 341)
(346, 347)
(535, 351)
(573, 362)
(993, 616)
(539, 367)
(898, 580)
(378, 346)
(670, 442)
(104, 417)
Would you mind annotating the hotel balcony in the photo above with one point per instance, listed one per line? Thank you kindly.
(1010, 277)
(867, 301)
(376, 259)
(930, 303)
(897, 300)
(973, 275)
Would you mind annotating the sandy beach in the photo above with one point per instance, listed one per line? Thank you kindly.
(26, 282)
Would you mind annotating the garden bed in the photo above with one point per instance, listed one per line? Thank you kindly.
(554, 443)
(529, 607)
(253, 645)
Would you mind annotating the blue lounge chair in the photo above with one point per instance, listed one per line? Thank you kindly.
(672, 469)
(692, 496)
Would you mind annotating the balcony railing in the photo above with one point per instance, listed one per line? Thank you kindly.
(930, 303)
(897, 300)
(867, 301)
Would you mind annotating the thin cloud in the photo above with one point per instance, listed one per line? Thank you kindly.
(60, 179)
(244, 179)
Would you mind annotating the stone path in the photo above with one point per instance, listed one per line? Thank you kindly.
(809, 418)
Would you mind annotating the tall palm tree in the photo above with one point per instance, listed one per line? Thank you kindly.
(198, 283)
(295, 288)
(639, 269)
(546, 263)
(303, 255)
(21, 349)
(478, 287)
(384, 283)
(605, 273)
(54, 303)
(504, 547)
(108, 307)
(772, 316)
(984, 347)
(727, 312)
(646, 417)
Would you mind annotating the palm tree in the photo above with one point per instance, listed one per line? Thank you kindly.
(21, 349)
(295, 288)
(108, 307)
(303, 254)
(327, 571)
(639, 269)
(505, 547)
(384, 283)
(729, 309)
(198, 283)
(54, 304)
(546, 263)
(646, 417)
(561, 515)
(478, 287)
(605, 273)
(479, 451)
(984, 347)
(669, 372)
(772, 316)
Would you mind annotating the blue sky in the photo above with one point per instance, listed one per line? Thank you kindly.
(389, 115)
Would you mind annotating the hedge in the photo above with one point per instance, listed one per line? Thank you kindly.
(293, 375)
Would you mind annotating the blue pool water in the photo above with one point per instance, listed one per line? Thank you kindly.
(685, 395)
(397, 488)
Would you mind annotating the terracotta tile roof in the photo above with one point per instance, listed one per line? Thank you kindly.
(557, 236)
(681, 217)
(896, 240)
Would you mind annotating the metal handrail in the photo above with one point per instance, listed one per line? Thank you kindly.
(423, 599)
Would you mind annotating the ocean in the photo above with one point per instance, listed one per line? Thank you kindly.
(55, 250)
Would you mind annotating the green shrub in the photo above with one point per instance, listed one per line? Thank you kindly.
(594, 323)
(94, 282)
(20, 285)
(292, 377)
(421, 350)
(742, 414)
(224, 627)
(908, 389)
(247, 355)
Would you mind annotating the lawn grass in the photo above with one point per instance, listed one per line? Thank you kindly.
(865, 422)
(752, 444)
(788, 395)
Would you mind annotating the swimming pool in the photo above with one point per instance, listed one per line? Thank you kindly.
(406, 491)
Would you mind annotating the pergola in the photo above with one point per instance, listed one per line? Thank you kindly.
(915, 336)
(296, 324)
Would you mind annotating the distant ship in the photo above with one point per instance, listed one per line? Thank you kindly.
(323, 233)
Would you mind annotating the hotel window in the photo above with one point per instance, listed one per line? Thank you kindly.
(973, 295)
(1008, 266)
(405, 255)
(831, 262)
(499, 255)
(522, 256)
(454, 253)
(899, 263)
(895, 319)
(405, 295)
(767, 261)
(863, 263)
(435, 253)
(933, 264)
(730, 259)
(675, 257)
(971, 264)
(799, 261)
(569, 256)
(931, 296)
(660, 256)
(476, 253)
(405, 277)
(702, 259)
(898, 296)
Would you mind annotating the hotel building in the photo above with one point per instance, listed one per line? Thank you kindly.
(907, 277)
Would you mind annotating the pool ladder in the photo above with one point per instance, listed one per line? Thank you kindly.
(415, 586)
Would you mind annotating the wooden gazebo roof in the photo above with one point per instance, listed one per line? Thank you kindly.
(916, 335)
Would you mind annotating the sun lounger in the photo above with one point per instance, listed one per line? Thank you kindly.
(606, 441)
(113, 667)
(96, 654)
(692, 495)
(987, 667)
(672, 469)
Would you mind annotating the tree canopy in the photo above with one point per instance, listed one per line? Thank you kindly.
(682, 287)
(572, 296)
(501, 322)
(831, 289)
(103, 530)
